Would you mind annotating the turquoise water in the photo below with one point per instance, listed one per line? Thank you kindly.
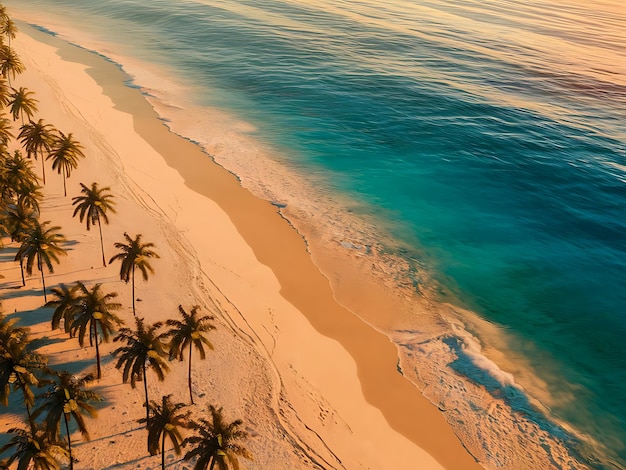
(488, 135)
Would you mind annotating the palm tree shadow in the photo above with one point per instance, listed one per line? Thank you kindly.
(128, 463)
(82, 365)
(47, 341)
(8, 253)
(140, 459)
(32, 317)
(18, 291)
(112, 436)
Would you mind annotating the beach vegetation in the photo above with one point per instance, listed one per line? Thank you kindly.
(166, 421)
(216, 443)
(5, 92)
(6, 127)
(134, 255)
(64, 153)
(10, 63)
(145, 348)
(22, 102)
(37, 138)
(93, 206)
(43, 244)
(9, 332)
(8, 28)
(16, 177)
(34, 449)
(64, 306)
(188, 333)
(19, 219)
(93, 311)
(18, 364)
(67, 399)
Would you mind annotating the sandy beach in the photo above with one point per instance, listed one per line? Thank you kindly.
(315, 386)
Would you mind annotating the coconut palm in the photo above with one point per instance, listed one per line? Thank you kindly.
(10, 332)
(5, 125)
(10, 63)
(95, 309)
(64, 306)
(93, 206)
(20, 219)
(37, 137)
(35, 449)
(43, 244)
(16, 176)
(22, 103)
(145, 348)
(18, 365)
(8, 28)
(64, 153)
(67, 397)
(167, 419)
(216, 442)
(187, 333)
(5, 229)
(3, 13)
(134, 254)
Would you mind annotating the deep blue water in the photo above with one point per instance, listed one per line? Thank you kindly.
(489, 135)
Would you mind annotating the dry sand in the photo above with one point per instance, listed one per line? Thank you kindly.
(315, 386)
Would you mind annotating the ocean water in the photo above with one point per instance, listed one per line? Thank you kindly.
(485, 140)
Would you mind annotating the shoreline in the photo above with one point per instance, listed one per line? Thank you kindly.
(437, 438)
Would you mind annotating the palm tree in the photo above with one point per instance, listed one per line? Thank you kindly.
(93, 206)
(188, 333)
(37, 137)
(8, 28)
(20, 219)
(16, 176)
(64, 306)
(216, 442)
(166, 421)
(5, 125)
(134, 254)
(64, 153)
(35, 449)
(9, 332)
(144, 348)
(5, 92)
(18, 366)
(42, 243)
(22, 103)
(93, 309)
(69, 398)
(10, 63)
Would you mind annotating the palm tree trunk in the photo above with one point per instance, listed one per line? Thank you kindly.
(43, 168)
(163, 451)
(134, 314)
(104, 263)
(30, 417)
(64, 187)
(43, 281)
(145, 387)
(69, 441)
(189, 376)
(22, 271)
(95, 334)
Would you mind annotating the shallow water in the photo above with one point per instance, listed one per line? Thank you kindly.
(486, 138)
